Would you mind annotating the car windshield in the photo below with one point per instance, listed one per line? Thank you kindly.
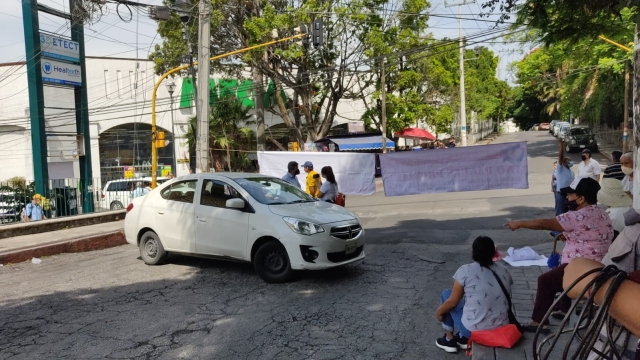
(581, 131)
(272, 191)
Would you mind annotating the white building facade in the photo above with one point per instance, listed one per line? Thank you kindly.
(119, 102)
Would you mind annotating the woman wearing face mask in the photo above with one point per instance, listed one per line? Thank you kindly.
(626, 165)
(588, 232)
(329, 188)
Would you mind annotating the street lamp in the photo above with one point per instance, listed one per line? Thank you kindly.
(171, 87)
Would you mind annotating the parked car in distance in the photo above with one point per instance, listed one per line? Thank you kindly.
(563, 131)
(535, 127)
(552, 124)
(557, 126)
(117, 194)
(579, 137)
(543, 126)
(244, 217)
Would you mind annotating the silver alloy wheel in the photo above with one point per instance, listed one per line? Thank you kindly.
(151, 248)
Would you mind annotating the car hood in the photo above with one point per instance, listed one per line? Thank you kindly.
(319, 212)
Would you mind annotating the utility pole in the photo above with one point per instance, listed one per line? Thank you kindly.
(202, 110)
(463, 111)
(383, 109)
(627, 88)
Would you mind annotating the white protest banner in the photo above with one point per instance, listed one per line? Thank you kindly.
(486, 167)
(355, 173)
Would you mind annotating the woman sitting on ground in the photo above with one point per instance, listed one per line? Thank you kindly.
(484, 307)
(588, 232)
(329, 188)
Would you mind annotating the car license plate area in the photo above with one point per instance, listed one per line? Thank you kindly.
(581, 146)
(349, 248)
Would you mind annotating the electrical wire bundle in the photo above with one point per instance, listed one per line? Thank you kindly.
(592, 320)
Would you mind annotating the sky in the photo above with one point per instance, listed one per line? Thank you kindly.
(111, 36)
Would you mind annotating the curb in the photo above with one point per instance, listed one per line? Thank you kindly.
(42, 226)
(98, 242)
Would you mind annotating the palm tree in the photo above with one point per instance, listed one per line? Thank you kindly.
(226, 128)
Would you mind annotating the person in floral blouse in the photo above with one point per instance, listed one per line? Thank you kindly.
(587, 231)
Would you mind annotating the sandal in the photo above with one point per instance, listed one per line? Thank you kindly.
(558, 315)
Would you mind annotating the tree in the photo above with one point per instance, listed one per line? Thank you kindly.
(316, 79)
(579, 76)
(564, 20)
(226, 132)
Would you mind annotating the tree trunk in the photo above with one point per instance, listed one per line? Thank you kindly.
(284, 113)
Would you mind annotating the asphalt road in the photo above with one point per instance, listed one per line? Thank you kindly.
(108, 304)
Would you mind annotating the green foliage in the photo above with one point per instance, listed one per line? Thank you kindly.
(228, 133)
(579, 76)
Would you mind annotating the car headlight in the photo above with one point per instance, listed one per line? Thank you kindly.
(591, 140)
(302, 227)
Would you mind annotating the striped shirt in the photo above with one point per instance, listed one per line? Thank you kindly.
(614, 171)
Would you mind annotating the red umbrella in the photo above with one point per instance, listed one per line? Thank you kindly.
(415, 133)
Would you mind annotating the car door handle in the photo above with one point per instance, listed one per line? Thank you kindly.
(161, 212)
(202, 219)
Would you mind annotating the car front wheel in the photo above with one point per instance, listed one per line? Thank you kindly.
(272, 263)
(151, 249)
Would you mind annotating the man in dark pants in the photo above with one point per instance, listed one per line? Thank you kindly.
(563, 177)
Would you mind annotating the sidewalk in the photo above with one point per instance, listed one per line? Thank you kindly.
(523, 294)
(85, 238)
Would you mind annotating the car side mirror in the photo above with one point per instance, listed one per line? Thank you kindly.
(235, 204)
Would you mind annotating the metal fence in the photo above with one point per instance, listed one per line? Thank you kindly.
(58, 198)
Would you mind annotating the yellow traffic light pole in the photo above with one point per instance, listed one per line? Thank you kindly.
(615, 43)
(154, 154)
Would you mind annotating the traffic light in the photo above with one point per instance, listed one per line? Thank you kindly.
(160, 142)
(317, 33)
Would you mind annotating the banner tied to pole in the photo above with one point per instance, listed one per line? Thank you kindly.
(486, 167)
(355, 173)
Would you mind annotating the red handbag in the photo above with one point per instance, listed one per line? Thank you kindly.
(341, 199)
(504, 336)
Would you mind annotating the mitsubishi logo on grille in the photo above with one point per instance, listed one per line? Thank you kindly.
(350, 232)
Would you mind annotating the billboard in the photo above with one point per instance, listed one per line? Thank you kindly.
(54, 47)
(56, 72)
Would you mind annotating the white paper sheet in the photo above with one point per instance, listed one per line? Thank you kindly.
(355, 172)
(540, 262)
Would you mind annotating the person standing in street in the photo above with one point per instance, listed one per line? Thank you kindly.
(139, 191)
(329, 189)
(33, 210)
(614, 170)
(313, 179)
(293, 170)
(563, 176)
(589, 167)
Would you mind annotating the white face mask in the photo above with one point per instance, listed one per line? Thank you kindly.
(627, 170)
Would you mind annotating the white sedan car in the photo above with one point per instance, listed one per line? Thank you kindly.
(246, 217)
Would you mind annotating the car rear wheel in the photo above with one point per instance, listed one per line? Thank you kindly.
(116, 205)
(272, 263)
(151, 249)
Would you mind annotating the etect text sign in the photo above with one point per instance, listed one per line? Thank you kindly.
(56, 72)
(59, 48)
